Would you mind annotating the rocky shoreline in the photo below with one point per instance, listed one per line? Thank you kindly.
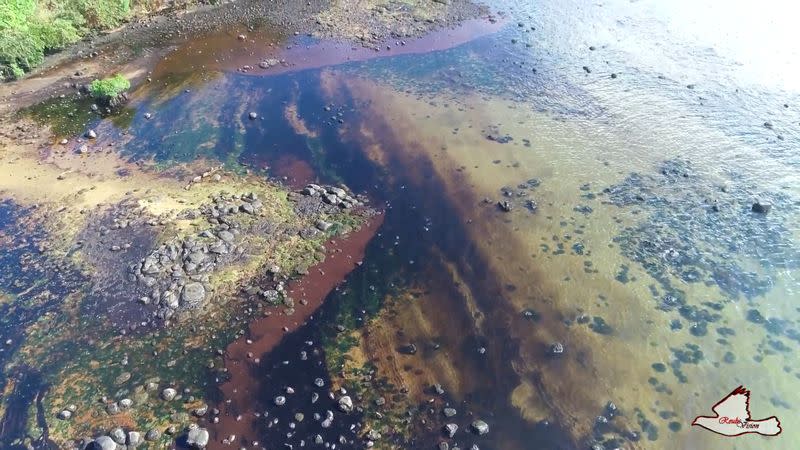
(135, 47)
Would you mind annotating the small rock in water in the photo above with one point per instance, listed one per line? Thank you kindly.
(253, 116)
(147, 115)
(90, 134)
(168, 394)
(505, 206)
(761, 207)
(480, 427)
(280, 400)
(450, 429)
(557, 349)
(346, 404)
(197, 437)
(409, 349)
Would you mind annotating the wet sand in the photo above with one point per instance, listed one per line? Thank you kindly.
(243, 386)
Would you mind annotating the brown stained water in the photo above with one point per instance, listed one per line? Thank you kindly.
(243, 356)
(630, 239)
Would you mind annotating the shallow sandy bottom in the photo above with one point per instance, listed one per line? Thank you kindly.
(596, 368)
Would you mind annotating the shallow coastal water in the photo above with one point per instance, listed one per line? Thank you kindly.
(630, 144)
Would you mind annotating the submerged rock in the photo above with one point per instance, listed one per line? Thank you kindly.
(556, 349)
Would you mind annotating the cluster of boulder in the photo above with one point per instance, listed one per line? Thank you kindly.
(177, 272)
(117, 439)
(120, 439)
(519, 196)
(331, 195)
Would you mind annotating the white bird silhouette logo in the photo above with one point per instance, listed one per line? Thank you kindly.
(733, 417)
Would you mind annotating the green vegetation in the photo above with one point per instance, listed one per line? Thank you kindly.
(110, 87)
(30, 29)
(66, 116)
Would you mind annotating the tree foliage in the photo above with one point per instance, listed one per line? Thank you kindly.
(30, 29)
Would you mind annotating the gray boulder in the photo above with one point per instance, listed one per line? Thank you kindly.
(225, 235)
(193, 293)
(102, 443)
(134, 438)
(346, 404)
(118, 435)
(152, 435)
(247, 208)
(169, 299)
(323, 225)
(197, 437)
(480, 427)
(168, 394)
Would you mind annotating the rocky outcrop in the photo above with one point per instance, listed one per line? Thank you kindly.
(177, 272)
